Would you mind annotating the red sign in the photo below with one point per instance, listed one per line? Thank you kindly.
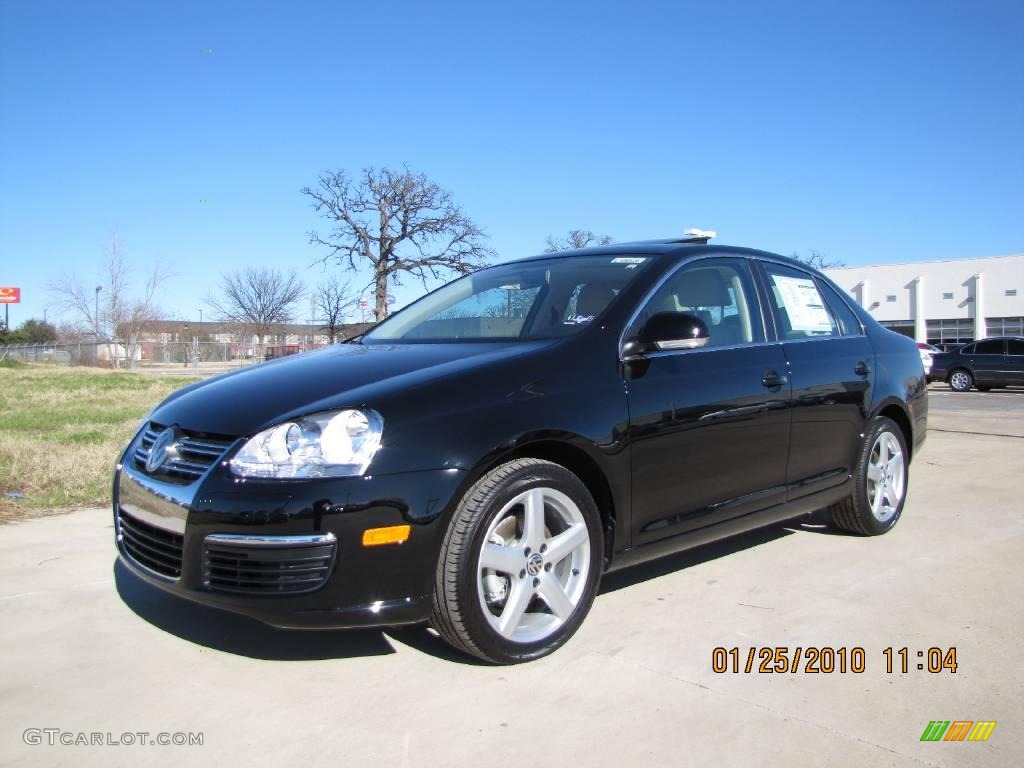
(10, 295)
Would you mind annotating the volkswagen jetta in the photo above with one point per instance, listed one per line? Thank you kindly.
(479, 459)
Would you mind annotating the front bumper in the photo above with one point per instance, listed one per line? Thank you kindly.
(366, 586)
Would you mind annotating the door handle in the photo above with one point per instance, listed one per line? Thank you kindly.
(773, 379)
(862, 369)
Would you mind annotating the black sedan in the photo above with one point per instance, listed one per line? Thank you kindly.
(481, 458)
(986, 363)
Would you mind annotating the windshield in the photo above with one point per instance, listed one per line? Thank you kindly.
(538, 299)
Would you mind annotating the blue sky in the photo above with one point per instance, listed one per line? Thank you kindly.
(870, 131)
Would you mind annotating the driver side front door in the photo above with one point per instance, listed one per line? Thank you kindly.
(709, 428)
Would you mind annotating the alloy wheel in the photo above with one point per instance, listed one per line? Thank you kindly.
(534, 565)
(886, 477)
(960, 381)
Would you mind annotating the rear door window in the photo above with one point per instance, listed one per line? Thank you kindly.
(800, 310)
(990, 347)
(1015, 347)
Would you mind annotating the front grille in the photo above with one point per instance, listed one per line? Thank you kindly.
(152, 547)
(188, 458)
(267, 565)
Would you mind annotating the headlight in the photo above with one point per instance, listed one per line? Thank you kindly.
(328, 444)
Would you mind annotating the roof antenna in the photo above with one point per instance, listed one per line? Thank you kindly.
(705, 234)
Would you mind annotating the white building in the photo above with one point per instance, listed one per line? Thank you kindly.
(941, 302)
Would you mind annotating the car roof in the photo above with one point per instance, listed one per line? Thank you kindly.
(670, 247)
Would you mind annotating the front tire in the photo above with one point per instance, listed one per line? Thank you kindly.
(880, 483)
(961, 380)
(520, 563)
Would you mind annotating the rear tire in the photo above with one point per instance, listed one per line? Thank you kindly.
(960, 380)
(880, 483)
(520, 563)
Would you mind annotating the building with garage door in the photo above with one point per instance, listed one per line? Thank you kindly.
(942, 302)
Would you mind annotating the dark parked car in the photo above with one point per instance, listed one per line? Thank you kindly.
(481, 458)
(986, 363)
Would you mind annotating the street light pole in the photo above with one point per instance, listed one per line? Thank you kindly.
(96, 313)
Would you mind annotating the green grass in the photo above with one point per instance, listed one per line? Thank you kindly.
(62, 429)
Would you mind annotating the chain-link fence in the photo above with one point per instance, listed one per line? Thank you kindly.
(196, 354)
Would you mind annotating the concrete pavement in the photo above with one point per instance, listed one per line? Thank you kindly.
(85, 647)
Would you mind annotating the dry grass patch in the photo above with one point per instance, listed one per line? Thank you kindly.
(62, 429)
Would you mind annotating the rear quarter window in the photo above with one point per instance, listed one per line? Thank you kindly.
(847, 321)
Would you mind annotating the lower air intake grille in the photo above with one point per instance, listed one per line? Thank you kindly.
(267, 565)
(151, 547)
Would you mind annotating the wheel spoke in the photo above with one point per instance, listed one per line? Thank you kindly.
(565, 543)
(533, 518)
(876, 502)
(891, 499)
(550, 590)
(502, 559)
(874, 473)
(895, 467)
(898, 484)
(515, 607)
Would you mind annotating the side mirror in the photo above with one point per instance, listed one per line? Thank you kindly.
(667, 331)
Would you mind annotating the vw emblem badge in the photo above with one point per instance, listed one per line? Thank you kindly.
(534, 564)
(158, 451)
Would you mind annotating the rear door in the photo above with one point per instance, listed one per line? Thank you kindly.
(1015, 361)
(989, 362)
(831, 364)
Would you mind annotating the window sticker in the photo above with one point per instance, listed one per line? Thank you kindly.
(578, 320)
(803, 304)
(629, 260)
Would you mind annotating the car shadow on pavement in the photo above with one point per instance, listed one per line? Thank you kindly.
(818, 522)
(426, 640)
(240, 635)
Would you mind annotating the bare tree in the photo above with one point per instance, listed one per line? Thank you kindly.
(332, 300)
(112, 310)
(68, 332)
(818, 260)
(577, 238)
(257, 299)
(398, 222)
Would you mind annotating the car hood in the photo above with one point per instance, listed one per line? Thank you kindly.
(243, 402)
